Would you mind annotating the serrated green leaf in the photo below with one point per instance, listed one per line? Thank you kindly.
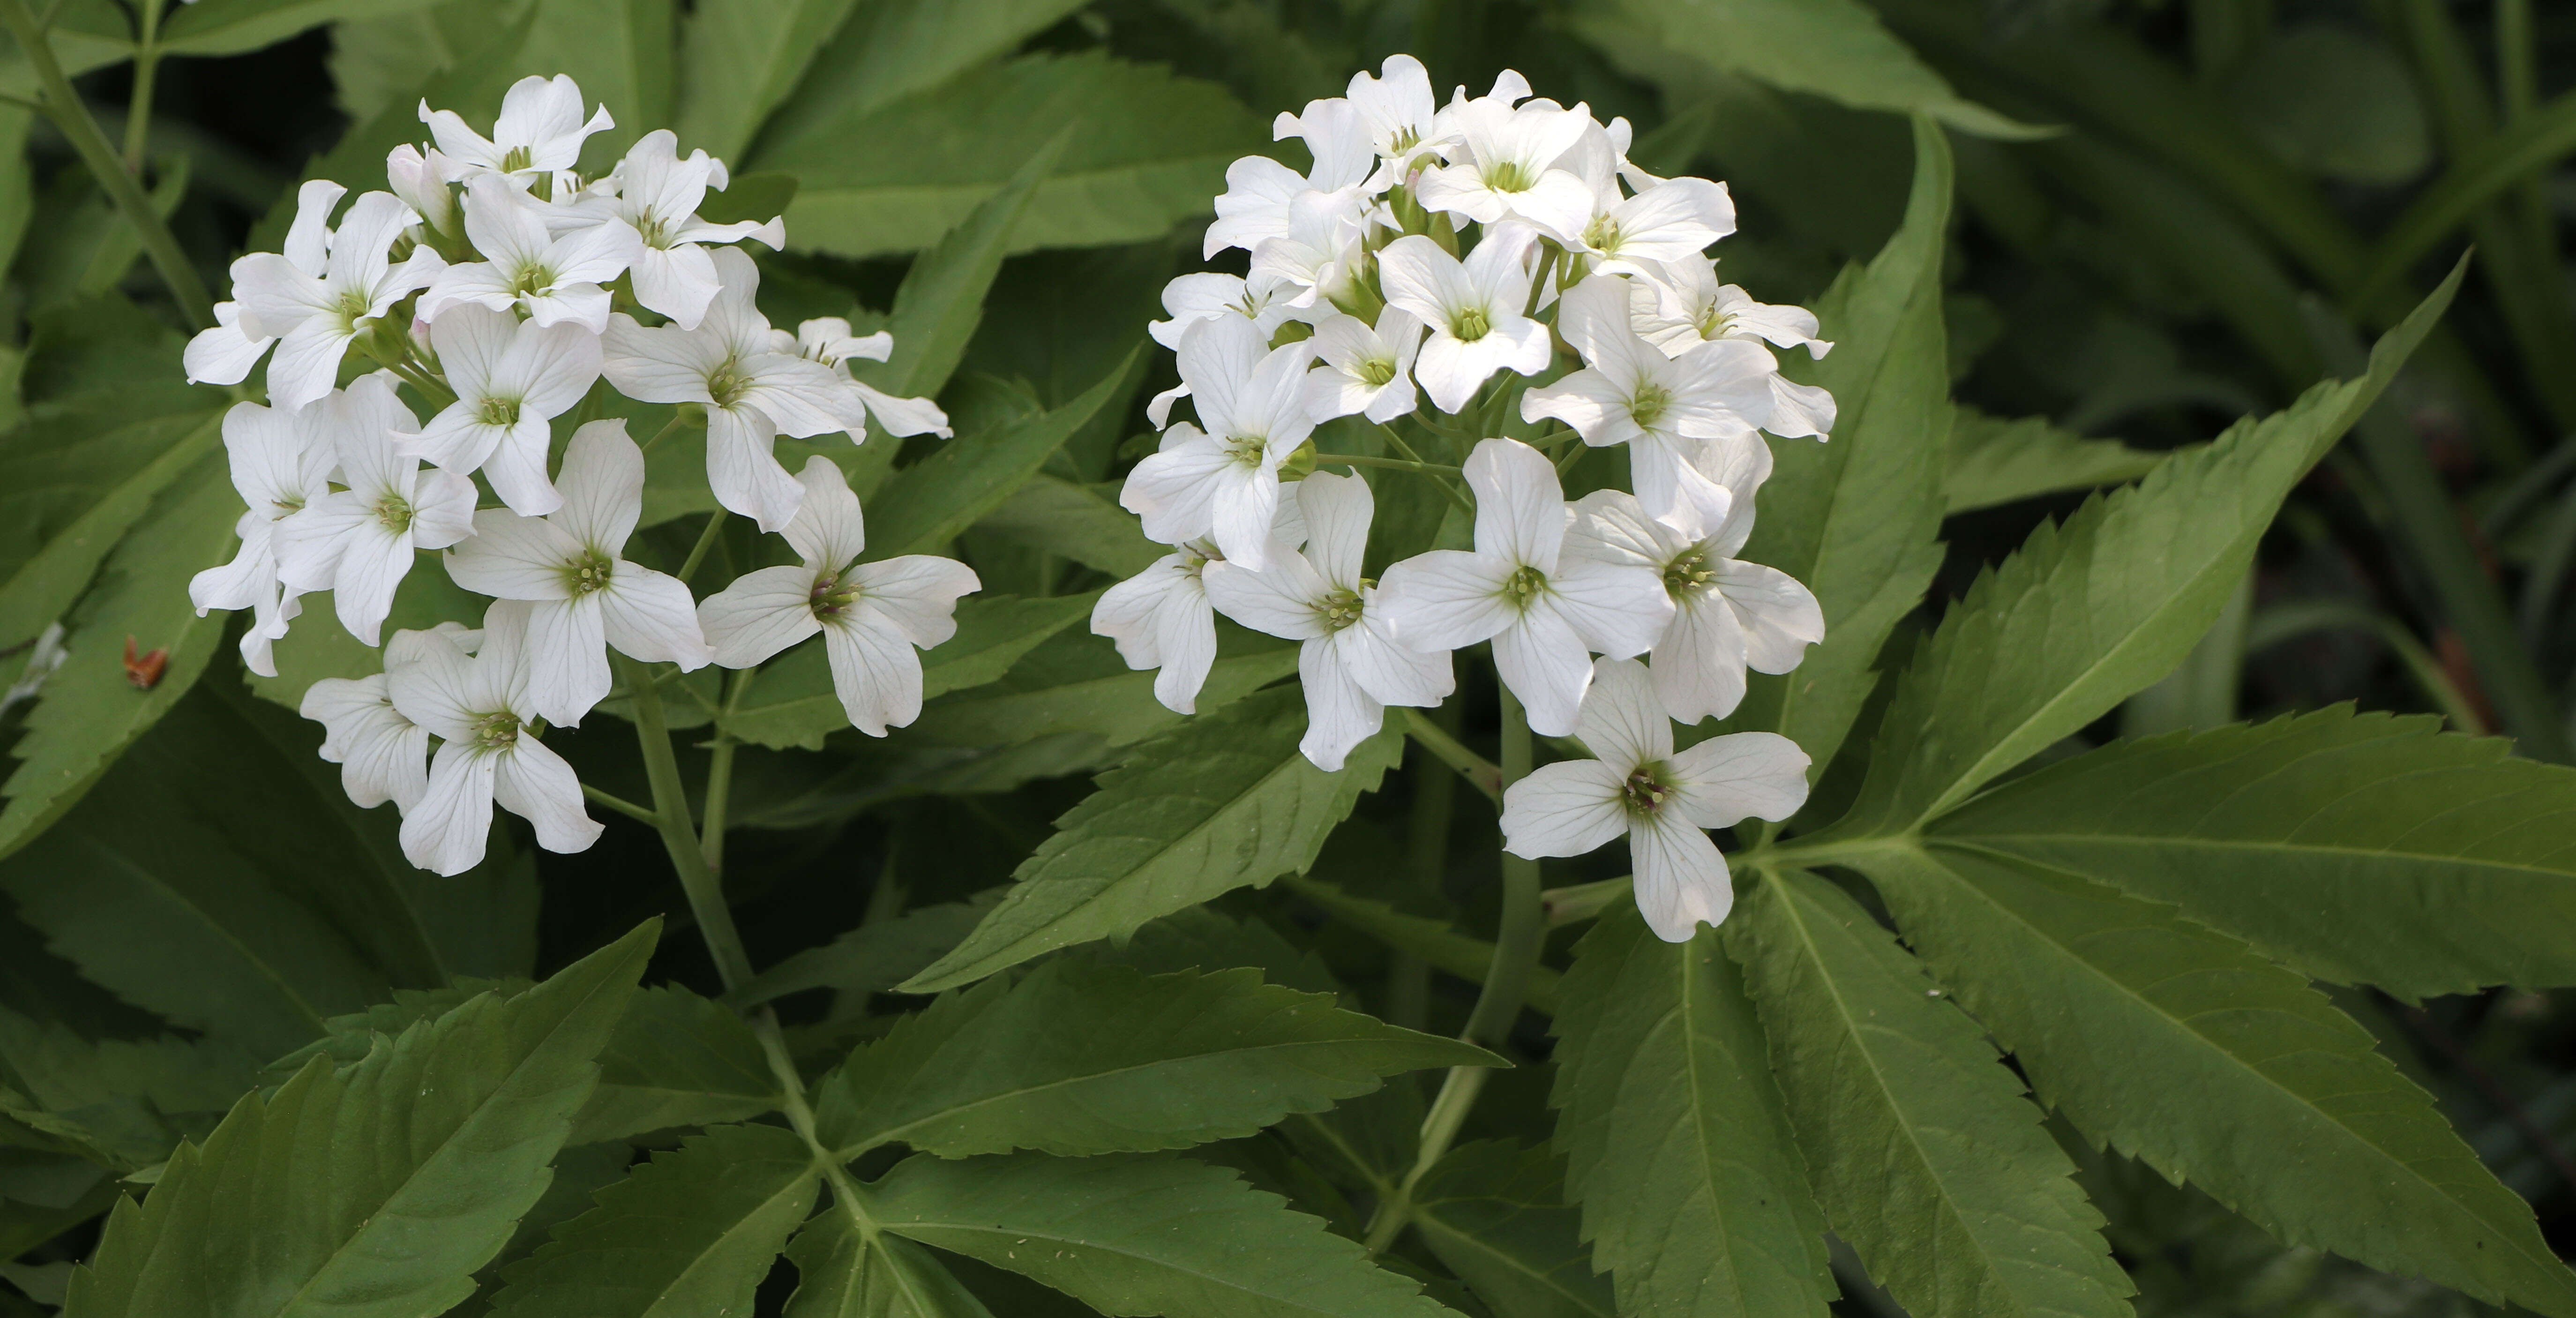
(677, 1059)
(689, 1234)
(1852, 517)
(125, 1102)
(1998, 461)
(1141, 1235)
(1437, 942)
(1080, 522)
(352, 1036)
(233, 27)
(902, 48)
(620, 51)
(2358, 848)
(794, 703)
(739, 60)
(2178, 1045)
(1081, 1058)
(2086, 614)
(1151, 150)
(869, 959)
(1226, 801)
(924, 506)
(1496, 1214)
(1204, 939)
(841, 1274)
(276, 1213)
(1075, 684)
(1693, 1194)
(1919, 1144)
(72, 497)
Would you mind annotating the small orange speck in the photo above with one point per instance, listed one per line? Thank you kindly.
(144, 671)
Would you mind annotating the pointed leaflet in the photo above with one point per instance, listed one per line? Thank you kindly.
(620, 53)
(869, 959)
(1142, 1235)
(795, 704)
(1854, 517)
(900, 48)
(739, 59)
(841, 1274)
(1496, 1214)
(676, 1060)
(1080, 1058)
(689, 1234)
(2090, 612)
(1919, 1144)
(1836, 49)
(1692, 1191)
(2357, 848)
(375, 1189)
(1224, 802)
(924, 506)
(1997, 461)
(2180, 1046)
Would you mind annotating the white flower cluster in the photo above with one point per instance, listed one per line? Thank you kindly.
(1365, 298)
(501, 286)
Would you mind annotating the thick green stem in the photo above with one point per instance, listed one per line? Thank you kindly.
(1435, 802)
(671, 816)
(720, 773)
(64, 107)
(147, 67)
(1516, 946)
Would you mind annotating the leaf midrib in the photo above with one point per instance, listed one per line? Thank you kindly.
(1691, 1064)
(1431, 1220)
(293, 996)
(2000, 842)
(805, 1176)
(1022, 1235)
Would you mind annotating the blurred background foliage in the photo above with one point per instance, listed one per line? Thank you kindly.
(2173, 213)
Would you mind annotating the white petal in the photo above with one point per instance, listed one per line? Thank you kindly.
(1699, 661)
(1563, 809)
(1544, 662)
(534, 783)
(915, 594)
(1725, 779)
(1622, 722)
(760, 614)
(1780, 617)
(567, 659)
(1390, 671)
(659, 365)
(1445, 599)
(1338, 510)
(743, 470)
(1185, 633)
(1520, 506)
(1283, 599)
(1339, 715)
(445, 832)
(1617, 610)
(1125, 612)
(876, 673)
(828, 531)
(1681, 878)
(514, 557)
(602, 485)
(649, 616)
(372, 564)
(430, 685)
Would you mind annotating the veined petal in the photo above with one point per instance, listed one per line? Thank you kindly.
(1125, 612)
(1392, 672)
(743, 471)
(446, 830)
(1338, 511)
(472, 341)
(648, 615)
(1780, 617)
(534, 783)
(1618, 611)
(1185, 634)
(1681, 879)
(760, 614)
(1542, 659)
(677, 281)
(431, 685)
(659, 365)
(514, 557)
(516, 467)
(1699, 660)
(1284, 599)
(1339, 713)
(1520, 506)
(1563, 809)
(876, 673)
(1174, 491)
(567, 659)
(584, 306)
(602, 485)
(1446, 599)
(372, 563)
(551, 367)
(914, 594)
(829, 530)
(1725, 779)
(1243, 504)
(1622, 721)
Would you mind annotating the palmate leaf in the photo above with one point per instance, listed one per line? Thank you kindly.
(1849, 517)
(1226, 801)
(1919, 1144)
(1496, 1214)
(2088, 613)
(2358, 848)
(376, 1189)
(689, 1234)
(2178, 1045)
(1151, 150)
(794, 703)
(843, 1274)
(1693, 1194)
(1083, 1058)
(1997, 461)
(1134, 1236)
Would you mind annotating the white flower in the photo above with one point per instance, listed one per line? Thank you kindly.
(1544, 616)
(1160, 618)
(1683, 305)
(752, 392)
(326, 288)
(1660, 799)
(1260, 190)
(281, 465)
(539, 132)
(554, 279)
(657, 194)
(1367, 371)
(512, 379)
(1320, 256)
(382, 755)
(1224, 483)
(1504, 163)
(422, 179)
(828, 341)
(871, 615)
(358, 543)
(1352, 663)
(1398, 113)
(1475, 309)
(585, 596)
(489, 751)
(1665, 409)
(223, 353)
(1728, 615)
(1265, 300)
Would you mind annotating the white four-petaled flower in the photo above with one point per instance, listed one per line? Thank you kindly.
(1477, 310)
(1660, 799)
(328, 287)
(280, 466)
(1223, 483)
(553, 278)
(358, 542)
(1367, 369)
(382, 755)
(657, 194)
(538, 134)
(477, 706)
(512, 378)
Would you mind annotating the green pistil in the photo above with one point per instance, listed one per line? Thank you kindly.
(1340, 609)
(500, 411)
(394, 511)
(1471, 325)
(518, 158)
(1523, 587)
(727, 383)
(832, 595)
(1646, 790)
(534, 280)
(1689, 574)
(1510, 176)
(1377, 371)
(351, 308)
(1247, 449)
(495, 732)
(1602, 235)
(1650, 404)
(590, 572)
(655, 233)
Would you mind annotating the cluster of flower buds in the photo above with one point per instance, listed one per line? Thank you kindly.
(498, 287)
(1430, 258)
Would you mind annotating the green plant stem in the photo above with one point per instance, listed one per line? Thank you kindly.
(621, 805)
(1392, 464)
(1447, 487)
(147, 67)
(64, 107)
(1516, 946)
(671, 816)
(711, 835)
(1435, 806)
(706, 541)
(679, 416)
(1480, 773)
